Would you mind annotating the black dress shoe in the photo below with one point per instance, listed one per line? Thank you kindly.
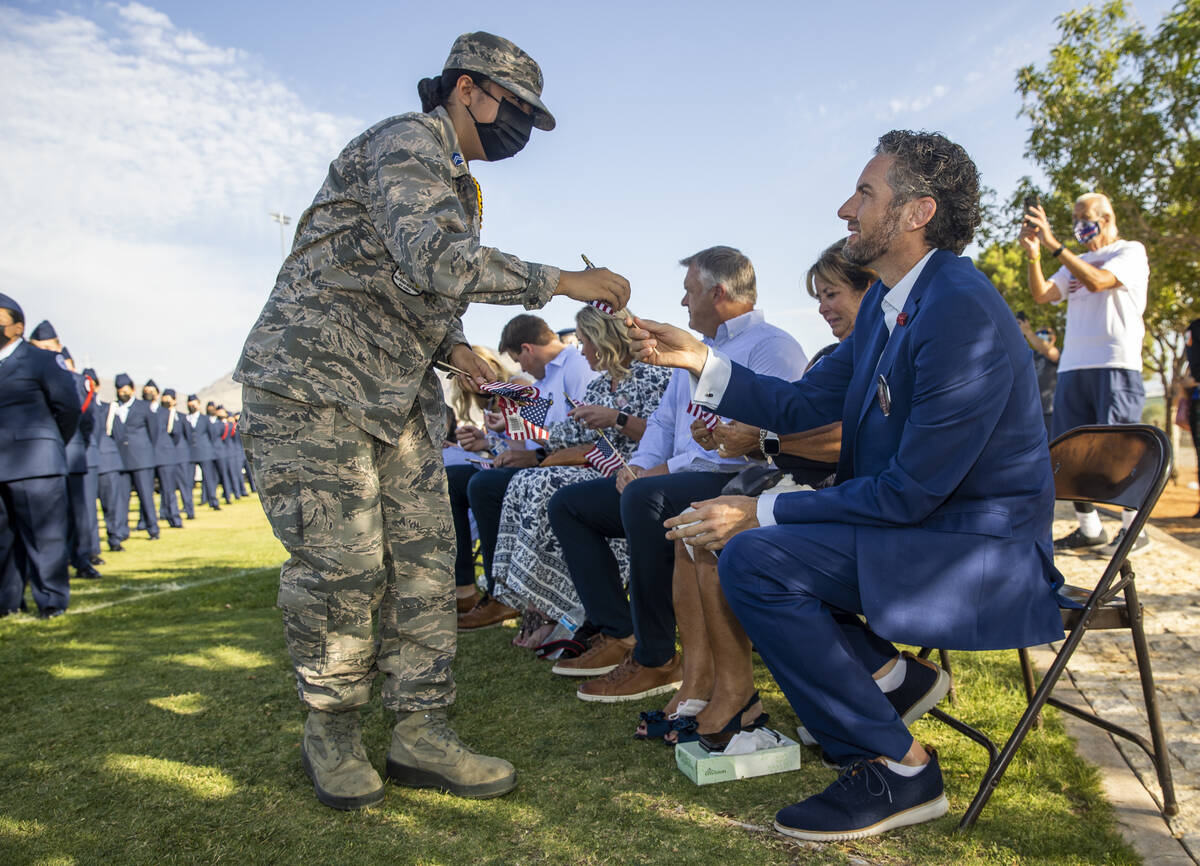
(88, 573)
(115, 548)
(50, 612)
(154, 538)
(95, 559)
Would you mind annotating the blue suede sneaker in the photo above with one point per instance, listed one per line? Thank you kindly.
(924, 685)
(866, 800)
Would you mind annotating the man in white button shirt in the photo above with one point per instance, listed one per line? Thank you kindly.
(1100, 369)
(559, 370)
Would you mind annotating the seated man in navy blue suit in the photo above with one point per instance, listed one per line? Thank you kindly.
(39, 413)
(938, 530)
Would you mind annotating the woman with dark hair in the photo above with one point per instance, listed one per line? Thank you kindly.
(720, 647)
(344, 418)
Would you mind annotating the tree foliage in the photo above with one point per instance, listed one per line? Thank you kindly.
(1116, 109)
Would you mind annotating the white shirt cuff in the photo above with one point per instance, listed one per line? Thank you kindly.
(709, 388)
(766, 509)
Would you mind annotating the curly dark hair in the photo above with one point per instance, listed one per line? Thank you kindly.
(929, 164)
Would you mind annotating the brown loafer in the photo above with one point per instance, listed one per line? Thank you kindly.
(487, 613)
(604, 653)
(630, 681)
(465, 605)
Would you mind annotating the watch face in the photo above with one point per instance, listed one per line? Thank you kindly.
(771, 446)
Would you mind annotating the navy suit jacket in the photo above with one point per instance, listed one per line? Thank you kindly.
(108, 456)
(39, 413)
(203, 435)
(136, 436)
(951, 491)
(164, 447)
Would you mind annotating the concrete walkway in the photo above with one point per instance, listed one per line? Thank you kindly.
(1104, 672)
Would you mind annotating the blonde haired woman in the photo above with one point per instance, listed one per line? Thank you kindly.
(528, 565)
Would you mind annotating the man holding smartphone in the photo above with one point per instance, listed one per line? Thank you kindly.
(1100, 370)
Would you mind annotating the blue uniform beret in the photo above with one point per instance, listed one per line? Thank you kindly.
(8, 303)
(168, 392)
(44, 331)
(123, 381)
(150, 383)
(192, 397)
(91, 374)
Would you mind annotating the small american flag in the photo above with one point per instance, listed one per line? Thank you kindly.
(514, 391)
(603, 307)
(710, 420)
(528, 421)
(603, 458)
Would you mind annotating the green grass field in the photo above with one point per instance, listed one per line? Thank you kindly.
(157, 723)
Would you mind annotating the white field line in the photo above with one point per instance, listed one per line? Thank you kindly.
(162, 588)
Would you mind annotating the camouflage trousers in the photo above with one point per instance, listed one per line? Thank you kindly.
(368, 585)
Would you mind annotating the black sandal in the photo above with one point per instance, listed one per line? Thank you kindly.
(718, 741)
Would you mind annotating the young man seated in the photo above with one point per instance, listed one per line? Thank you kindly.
(938, 530)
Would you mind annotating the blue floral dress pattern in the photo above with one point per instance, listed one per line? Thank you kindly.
(528, 565)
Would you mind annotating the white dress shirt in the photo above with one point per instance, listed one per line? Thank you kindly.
(747, 339)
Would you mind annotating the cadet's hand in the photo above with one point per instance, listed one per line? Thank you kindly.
(494, 421)
(703, 436)
(666, 345)
(736, 439)
(714, 521)
(516, 458)
(595, 284)
(594, 417)
(480, 371)
(1029, 240)
(471, 438)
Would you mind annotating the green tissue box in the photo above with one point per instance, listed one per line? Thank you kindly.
(708, 768)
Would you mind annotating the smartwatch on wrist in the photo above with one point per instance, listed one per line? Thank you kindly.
(768, 443)
(541, 454)
(622, 420)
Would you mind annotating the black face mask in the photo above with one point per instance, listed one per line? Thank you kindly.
(507, 134)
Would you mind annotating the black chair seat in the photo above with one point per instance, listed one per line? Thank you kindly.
(1111, 614)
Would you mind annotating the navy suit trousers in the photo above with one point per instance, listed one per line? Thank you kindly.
(33, 515)
(168, 505)
(91, 492)
(82, 531)
(184, 485)
(208, 482)
(457, 478)
(584, 516)
(114, 501)
(142, 483)
(794, 588)
(485, 491)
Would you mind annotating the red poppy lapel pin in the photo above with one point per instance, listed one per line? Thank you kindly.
(902, 319)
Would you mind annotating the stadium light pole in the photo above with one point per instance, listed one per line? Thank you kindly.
(283, 219)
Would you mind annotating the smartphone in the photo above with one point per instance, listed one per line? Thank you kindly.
(1032, 201)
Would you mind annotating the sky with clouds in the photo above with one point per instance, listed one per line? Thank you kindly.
(145, 145)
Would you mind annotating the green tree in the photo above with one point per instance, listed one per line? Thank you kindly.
(1115, 110)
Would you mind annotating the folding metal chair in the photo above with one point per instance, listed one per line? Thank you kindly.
(1125, 465)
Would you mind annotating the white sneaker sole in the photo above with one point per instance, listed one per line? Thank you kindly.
(916, 815)
(616, 699)
(582, 672)
(928, 701)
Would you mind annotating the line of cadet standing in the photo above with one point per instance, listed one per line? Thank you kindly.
(63, 448)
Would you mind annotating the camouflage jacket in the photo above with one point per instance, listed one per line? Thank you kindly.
(383, 265)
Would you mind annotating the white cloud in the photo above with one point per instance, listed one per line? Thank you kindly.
(919, 103)
(138, 163)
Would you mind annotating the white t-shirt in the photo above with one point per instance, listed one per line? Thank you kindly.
(1105, 329)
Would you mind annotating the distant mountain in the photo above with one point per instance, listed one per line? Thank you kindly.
(224, 392)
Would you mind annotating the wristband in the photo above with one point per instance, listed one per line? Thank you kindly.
(1058, 252)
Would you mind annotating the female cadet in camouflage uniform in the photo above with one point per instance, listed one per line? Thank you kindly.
(343, 416)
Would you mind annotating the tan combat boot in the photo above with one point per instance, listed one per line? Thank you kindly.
(425, 753)
(333, 756)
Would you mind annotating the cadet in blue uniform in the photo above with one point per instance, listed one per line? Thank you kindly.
(180, 457)
(136, 434)
(112, 482)
(39, 412)
(95, 409)
(202, 454)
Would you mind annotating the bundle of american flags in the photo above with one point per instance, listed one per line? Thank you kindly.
(603, 307)
(524, 409)
(603, 458)
(710, 419)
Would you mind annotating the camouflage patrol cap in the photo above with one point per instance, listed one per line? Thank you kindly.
(507, 65)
